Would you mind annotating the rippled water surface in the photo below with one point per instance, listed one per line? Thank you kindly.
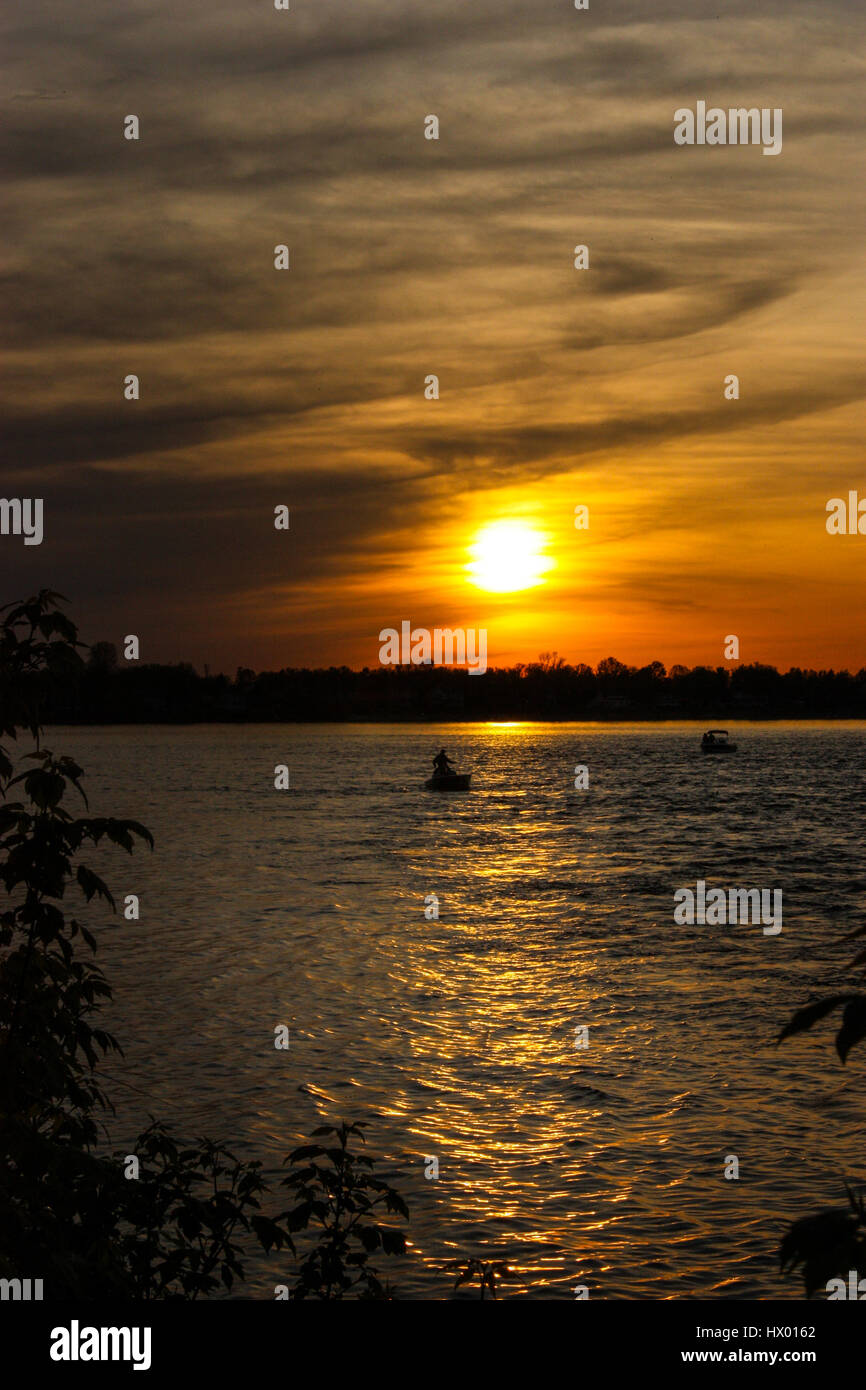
(455, 1037)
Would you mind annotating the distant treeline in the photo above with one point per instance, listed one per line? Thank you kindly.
(110, 691)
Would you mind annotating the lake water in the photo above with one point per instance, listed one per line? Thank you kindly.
(456, 1037)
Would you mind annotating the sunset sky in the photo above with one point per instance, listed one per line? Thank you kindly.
(409, 257)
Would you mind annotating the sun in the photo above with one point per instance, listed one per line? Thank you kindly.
(507, 556)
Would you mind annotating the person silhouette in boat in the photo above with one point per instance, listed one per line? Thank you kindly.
(441, 765)
(708, 740)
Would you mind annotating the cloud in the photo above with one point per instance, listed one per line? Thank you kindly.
(408, 257)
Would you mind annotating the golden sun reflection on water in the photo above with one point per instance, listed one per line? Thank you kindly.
(455, 1037)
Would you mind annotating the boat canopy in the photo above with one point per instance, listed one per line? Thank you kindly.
(718, 731)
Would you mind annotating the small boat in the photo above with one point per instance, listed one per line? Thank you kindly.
(449, 782)
(716, 741)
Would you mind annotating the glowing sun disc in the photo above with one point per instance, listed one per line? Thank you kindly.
(507, 556)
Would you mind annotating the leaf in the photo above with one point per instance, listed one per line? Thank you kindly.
(270, 1235)
(299, 1219)
(393, 1242)
(45, 789)
(91, 885)
(394, 1202)
(853, 1028)
(369, 1237)
(804, 1018)
(808, 1237)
